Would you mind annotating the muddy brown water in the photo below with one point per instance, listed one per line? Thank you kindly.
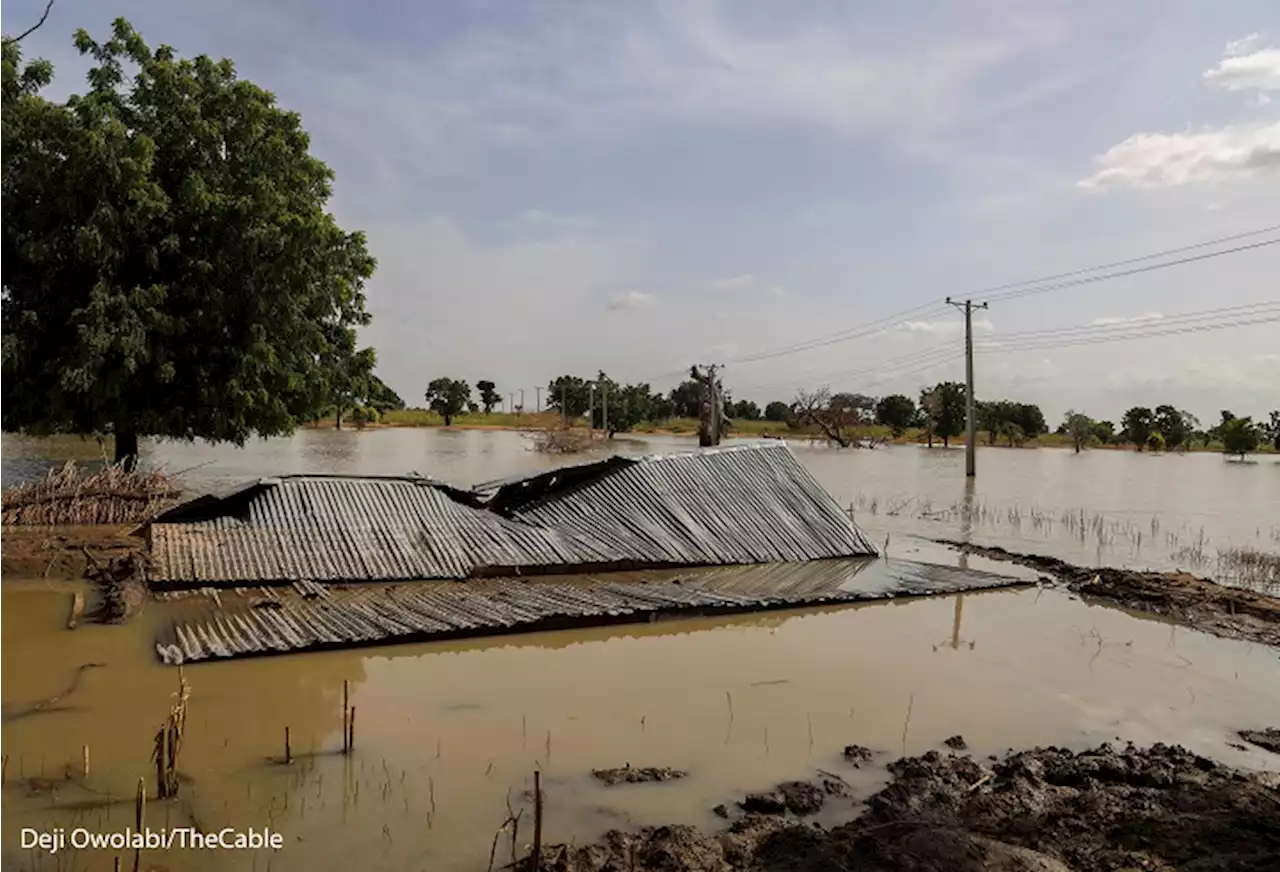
(446, 733)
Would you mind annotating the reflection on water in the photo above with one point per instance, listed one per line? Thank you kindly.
(447, 733)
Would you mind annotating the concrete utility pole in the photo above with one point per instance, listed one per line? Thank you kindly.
(564, 405)
(537, 394)
(970, 407)
(522, 399)
(604, 408)
(591, 407)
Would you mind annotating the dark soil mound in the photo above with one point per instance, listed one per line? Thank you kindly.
(637, 775)
(1231, 612)
(1050, 810)
(1268, 739)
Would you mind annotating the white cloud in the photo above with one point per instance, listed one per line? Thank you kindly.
(734, 282)
(1242, 46)
(949, 326)
(778, 291)
(1162, 160)
(632, 300)
(1122, 319)
(1259, 70)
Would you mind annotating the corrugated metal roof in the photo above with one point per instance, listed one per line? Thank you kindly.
(266, 621)
(746, 504)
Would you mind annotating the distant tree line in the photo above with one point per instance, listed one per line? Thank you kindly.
(938, 412)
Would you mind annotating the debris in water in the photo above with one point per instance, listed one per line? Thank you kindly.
(1268, 739)
(857, 755)
(632, 775)
(956, 743)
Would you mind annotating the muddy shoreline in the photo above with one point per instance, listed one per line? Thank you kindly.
(1046, 809)
(1200, 603)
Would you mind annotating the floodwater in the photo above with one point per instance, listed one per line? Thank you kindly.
(1102, 507)
(448, 734)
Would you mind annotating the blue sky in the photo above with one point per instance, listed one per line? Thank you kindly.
(557, 186)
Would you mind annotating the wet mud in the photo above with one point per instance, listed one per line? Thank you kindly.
(1268, 739)
(1047, 809)
(64, 553)
(629, 774)
(1230, 612)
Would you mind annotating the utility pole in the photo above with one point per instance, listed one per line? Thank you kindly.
(604, 408)
(591, 407)
(537, 393)
(522, 399)
(564, 405)
(970, 407)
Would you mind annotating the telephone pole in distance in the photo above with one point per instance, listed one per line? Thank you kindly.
(970, 407)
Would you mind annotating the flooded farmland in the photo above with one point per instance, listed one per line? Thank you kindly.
(448, 734)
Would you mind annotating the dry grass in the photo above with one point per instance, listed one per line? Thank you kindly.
(70, 496)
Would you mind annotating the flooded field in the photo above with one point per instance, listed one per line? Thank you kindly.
(448, 734)
(1116, 508)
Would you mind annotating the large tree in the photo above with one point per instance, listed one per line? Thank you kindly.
(896, 412)
(777, 411)
(1240, 436)
(944, 407)
(448, 397)
(570, 395)
(1138, 424)
(1174, 425)
(169, 268)
(1080, 427)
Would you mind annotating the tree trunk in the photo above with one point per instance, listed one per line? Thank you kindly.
(448, 419)
(127, 448)
(337, 418)
(946, 441)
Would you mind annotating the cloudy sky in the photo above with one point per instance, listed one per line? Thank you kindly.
(569, 185)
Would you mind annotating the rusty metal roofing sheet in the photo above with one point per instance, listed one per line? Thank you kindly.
(740, 505)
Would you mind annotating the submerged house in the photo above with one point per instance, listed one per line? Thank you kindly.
(749, 504)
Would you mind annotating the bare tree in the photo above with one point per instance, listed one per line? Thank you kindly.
(33, 28)
(835, 415)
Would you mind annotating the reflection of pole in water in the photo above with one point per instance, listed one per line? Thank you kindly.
(955, 641)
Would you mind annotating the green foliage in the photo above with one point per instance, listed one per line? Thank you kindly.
(1104, 432)
(777, 411)
(1240, 436)
(896, 412)
(169, 267)
(1271, 430)
(489, 396)
(448, 397)
(993, 417)
(364, 415)
(1175, 426)
(380, 397)
(1155, 441)
(743, 410)
(629, 405)
(1137, 425)
(1080, 427)
(686, 399)
(569, 395)
(1012, 432)
(943, 408)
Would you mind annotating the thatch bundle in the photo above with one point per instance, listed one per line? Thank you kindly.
(68, 496)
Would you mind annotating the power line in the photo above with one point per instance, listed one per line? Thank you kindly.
(1142, 321)
(1027, 287)
(1071, 342)
(1027, 292)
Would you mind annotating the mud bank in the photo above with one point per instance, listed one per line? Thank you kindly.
(64, 553)
(1230, 612)
(1047, 809)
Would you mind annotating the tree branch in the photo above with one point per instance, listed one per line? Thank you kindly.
(33, 28)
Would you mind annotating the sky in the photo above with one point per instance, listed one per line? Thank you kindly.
(557, 186)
